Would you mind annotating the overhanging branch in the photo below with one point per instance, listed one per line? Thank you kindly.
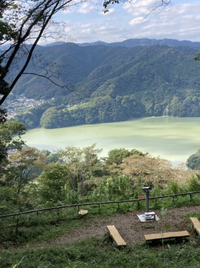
(51, 80)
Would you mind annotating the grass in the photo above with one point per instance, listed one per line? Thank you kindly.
(100, 253)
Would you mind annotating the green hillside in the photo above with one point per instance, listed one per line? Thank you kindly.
(114, 83)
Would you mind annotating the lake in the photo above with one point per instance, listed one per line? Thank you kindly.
(174, 139)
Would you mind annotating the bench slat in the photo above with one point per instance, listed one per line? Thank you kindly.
(116, 236)
(168, 235)
(196, 224)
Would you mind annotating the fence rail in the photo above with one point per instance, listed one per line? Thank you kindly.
(98, 204)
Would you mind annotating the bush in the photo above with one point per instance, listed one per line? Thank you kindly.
(194, 183)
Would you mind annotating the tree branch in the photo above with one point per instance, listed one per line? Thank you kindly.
(49, 9)
(49, 78)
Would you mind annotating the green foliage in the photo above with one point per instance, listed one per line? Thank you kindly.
(82, 164)
(116, 156)
(10, 138)
(54, 183)
(7, 196)
(174, 187)
(194, 183)
(112, 188)
(29, 119)
(23, 166)
(53, 118)
(8, 31)
(163, 212)
(50, 118)
(193, 162)
(10, 134)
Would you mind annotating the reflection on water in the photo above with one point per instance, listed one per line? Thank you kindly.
(171, 138)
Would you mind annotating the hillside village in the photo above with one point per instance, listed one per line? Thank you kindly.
(21, 104)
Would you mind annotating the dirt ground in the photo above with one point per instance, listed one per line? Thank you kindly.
(129, 226)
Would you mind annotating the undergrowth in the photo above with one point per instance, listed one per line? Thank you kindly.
(100, 253)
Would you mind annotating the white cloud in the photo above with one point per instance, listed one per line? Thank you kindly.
(175, 20)
(142, 7)
(87, 31)
(85, 8)
(85, 25)
(135, 20)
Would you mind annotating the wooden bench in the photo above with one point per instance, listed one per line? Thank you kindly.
(196, 224)
(169, 235)
(115, 235)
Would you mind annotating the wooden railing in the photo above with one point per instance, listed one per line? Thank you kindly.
(98, 204)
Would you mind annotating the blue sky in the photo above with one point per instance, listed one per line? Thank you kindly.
(87, 23)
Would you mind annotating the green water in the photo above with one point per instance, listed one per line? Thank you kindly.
(174, 139)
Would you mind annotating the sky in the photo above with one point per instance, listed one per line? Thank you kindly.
(132, 19)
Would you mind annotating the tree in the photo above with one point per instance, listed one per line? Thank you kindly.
(159, 3)
(153, 171)
(23, 167)
(116, 156)
(82, 164)
(53, 182)
(193, 162)
(10, 139)
(7, 33)
(54, 118)
(22, 22)
(114, 187)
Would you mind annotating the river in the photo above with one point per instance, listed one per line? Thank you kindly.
(174, 139)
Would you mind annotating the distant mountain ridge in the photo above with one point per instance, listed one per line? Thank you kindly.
(108, 83)
(139, 42)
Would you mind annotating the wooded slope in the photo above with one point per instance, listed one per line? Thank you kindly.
(107, 83)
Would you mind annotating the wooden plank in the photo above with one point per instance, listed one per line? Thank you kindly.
(196, 224)
(151, 237)
(116, 236)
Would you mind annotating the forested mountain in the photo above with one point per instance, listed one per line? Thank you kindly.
(146, 42)
(107, 83)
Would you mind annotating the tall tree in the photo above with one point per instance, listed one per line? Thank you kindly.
(82, 164)
(23, 167)
(54, 183)
(10, 138)
(23, 22)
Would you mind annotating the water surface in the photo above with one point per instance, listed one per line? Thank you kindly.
(174, 139)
